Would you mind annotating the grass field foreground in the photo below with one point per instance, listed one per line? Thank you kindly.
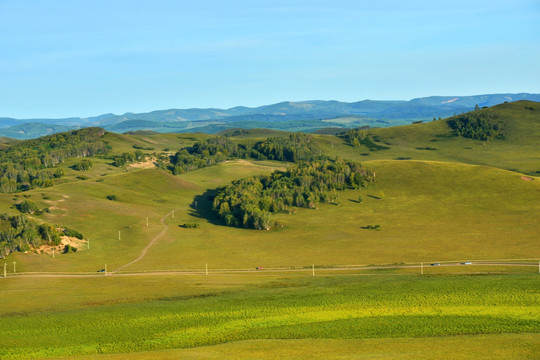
(467, 347)
(326, 307)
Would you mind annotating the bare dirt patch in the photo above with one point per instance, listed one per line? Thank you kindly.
(143, 165)
(64, 240)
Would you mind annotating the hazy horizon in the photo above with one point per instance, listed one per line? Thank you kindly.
(86, 58)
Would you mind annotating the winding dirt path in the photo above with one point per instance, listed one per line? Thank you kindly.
(150, 244)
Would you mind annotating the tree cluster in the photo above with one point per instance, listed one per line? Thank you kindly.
(360, 136)
(30, 164)
(293, 147)
(477, 125)
(20, 233)
(248, 202)
(126, 158)
(206, 153)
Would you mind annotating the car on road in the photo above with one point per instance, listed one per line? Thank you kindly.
(259, 268)
(435, 264)
(101, 271)
(466, 263)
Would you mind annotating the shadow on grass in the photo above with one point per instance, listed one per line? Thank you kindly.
(201, 207)
(374, 197)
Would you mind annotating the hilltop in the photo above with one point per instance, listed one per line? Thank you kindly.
(304, 116)
(518, 150)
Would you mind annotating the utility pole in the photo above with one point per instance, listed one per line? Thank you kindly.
(5, 269)
(206, 269)
(173, 214)
(118, 235)
(313, 269)
(147, 221)
(105, 269)
(422, 268)
(88, 244)
(14, 268)
(53, 253)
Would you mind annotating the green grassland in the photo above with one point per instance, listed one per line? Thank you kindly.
(432, 211)
(519, 151)
(514, 346)
(346, 307)
(463, 201)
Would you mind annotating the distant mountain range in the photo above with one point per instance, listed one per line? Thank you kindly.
(305, 116)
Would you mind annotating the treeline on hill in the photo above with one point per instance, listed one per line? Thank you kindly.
(126, 158)
(477, 125)
(248, 202)
(360, 136)
(293, 147)
(20, 233)
(30, 164)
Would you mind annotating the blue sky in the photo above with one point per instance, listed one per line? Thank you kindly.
(85, 58)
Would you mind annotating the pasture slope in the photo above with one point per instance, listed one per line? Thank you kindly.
(459, 202)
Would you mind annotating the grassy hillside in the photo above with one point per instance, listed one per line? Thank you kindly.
(431, 211)
(458, 202)
(519, 151)
(6, 142)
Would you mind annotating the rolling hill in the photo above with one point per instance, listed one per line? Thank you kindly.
(338, 280)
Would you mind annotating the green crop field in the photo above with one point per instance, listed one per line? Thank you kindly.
(445, 199)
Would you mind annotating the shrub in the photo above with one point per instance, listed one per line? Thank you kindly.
(27, 206)
(49, 234)
(24, 247)
(83, 165)
(73, 233)
(139, 147)
(372, 227)
(69, 249)
(190, 226)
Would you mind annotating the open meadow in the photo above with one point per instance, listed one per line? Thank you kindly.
(383, 272)
(90, 316)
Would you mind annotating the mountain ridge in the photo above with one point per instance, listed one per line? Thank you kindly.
(278, 115)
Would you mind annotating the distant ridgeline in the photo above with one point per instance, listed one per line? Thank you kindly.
(248, 202)
(30, 164)
(21, 233)
(293, 147)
